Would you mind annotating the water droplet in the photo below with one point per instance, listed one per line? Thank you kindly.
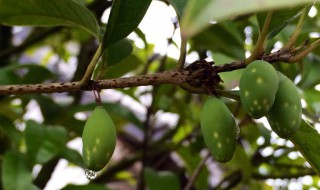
(90, 174)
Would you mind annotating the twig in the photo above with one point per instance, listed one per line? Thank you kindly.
(306, 51)
(258, 49)
(183, 52)
(150, 60)
(228, 94)
(230, 180)
(145, 146)
(297, 31)
(197, 171)
(177, 77)
(168, 77)
(45, 173)
(279, 56)
(87, 76)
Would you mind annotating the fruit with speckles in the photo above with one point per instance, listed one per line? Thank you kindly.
(99, 139)
(258, 87)
(218, 128)
(285, 115)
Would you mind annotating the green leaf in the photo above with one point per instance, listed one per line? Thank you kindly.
(306, 140)
(142, 36)
(118, 51)
(114, 109)
(279, 20)
(230, 79)
(123, 112)
(191, 160)
(199, 13)
(31, 73)
(8, 77)
(161, 180)
(86, 187)
(128, 64)
(179, 6)
(125, 17)
(56, 114)
(15, 172)
(50, 110)
(47, 13)
(223, 37)
(24, 74)
(182, 132)
(310, 73)
(10, 136)
(312, 98)
(43, 143)
(241, 161)
(72, 156)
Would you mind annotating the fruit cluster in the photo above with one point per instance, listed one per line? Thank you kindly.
(263, 92)
(266, 92)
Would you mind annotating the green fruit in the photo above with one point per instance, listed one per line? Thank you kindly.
(285, 114)
(218, 128)
(99, 139)
(258, 86)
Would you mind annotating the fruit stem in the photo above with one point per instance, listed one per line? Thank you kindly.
(228, 94)
(261, 40)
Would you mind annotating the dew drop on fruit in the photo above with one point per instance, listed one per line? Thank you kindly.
(90, 174)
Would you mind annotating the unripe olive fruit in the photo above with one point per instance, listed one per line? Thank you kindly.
(258, 86)
(285, 115)
(218, 128)
(99, 139)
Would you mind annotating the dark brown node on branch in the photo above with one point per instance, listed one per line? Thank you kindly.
(203, 74)
(89, 86)
(280, 55)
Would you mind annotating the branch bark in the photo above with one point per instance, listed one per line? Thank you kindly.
(168, 77)
(180, 77)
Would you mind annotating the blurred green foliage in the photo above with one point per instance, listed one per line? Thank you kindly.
(157, 126)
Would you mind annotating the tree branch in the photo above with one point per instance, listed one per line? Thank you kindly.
(45, 173)
(168, 77)
(297, 30)
(183, 52)
(178, 77)
(258, 50)
(278, 56)
(87, 76)
(305, 52)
